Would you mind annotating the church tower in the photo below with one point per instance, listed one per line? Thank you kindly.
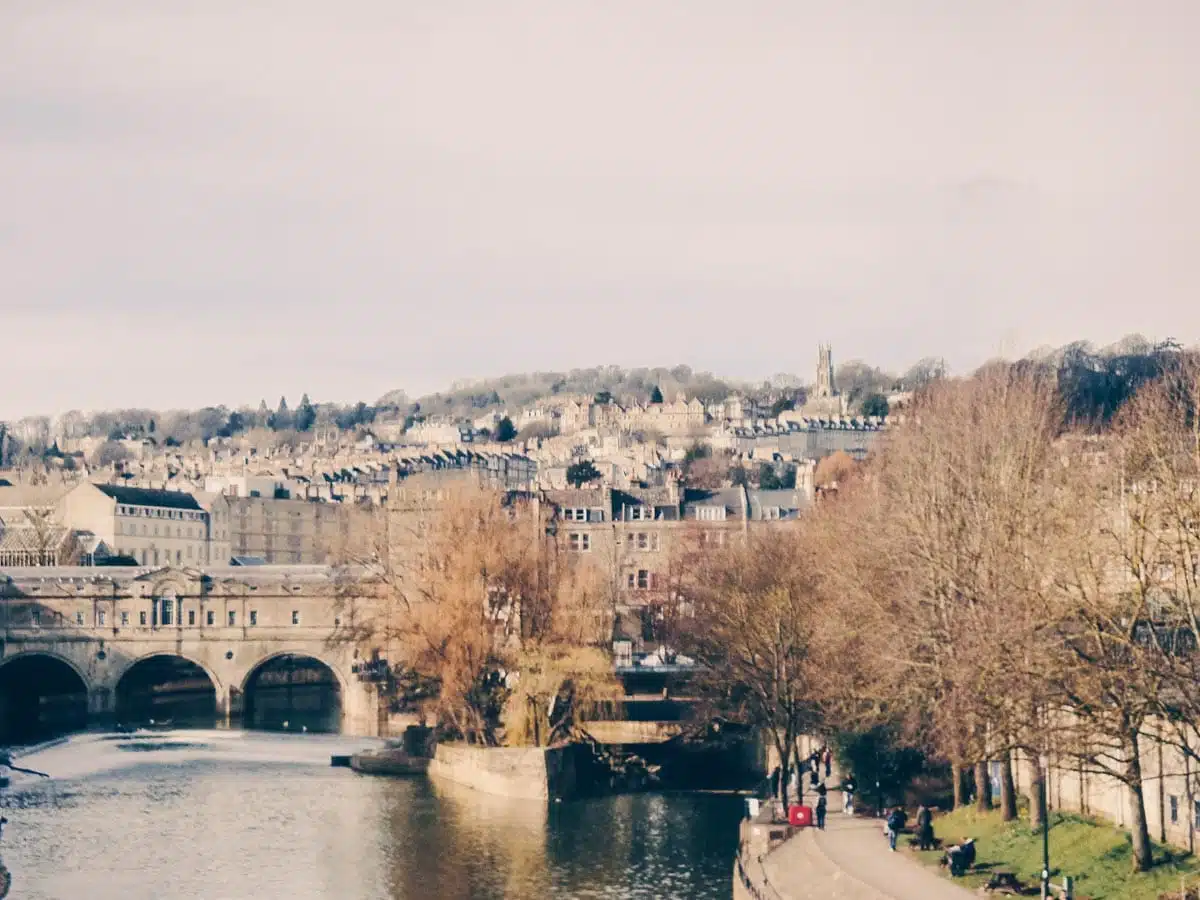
(825, 388)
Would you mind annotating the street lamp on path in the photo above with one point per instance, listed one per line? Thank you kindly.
(1044, 802)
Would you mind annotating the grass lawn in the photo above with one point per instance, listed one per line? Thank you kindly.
(1096, 855)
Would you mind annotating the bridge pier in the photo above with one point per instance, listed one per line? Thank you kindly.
(101, 708)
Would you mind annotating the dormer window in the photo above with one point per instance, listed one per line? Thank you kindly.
(638, 513)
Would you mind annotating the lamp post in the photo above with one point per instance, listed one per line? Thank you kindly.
(1044, 801)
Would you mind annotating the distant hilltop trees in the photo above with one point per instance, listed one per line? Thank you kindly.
(1093, 383)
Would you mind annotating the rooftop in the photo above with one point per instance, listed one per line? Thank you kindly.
(132, 496)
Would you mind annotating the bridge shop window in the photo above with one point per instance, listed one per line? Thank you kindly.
(232, 618)
(210, 618)
(35, 618)
(142, 618)
(191, 617)
(78, 618)
(295, 617)
(101, 615)
(254, 617)
(124, 619)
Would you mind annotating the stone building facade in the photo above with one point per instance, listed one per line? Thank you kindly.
(155, 527)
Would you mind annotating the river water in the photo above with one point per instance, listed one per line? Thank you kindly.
(227, 815)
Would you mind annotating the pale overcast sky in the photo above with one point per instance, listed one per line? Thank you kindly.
(218, 201)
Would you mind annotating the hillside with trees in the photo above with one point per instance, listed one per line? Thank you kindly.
(1093, 382)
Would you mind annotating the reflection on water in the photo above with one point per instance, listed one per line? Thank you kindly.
(231, 815)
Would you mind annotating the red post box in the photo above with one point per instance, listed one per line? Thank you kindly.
(800, 816)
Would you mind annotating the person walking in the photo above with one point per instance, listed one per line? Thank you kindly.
(848, 795)
(924, 828)
(895, 825)
(828, 762)
(821, 808)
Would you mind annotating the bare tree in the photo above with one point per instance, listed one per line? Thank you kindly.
(945, 541)
(752, 630)
(463, 589)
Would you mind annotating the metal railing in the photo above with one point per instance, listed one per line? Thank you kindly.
(763, 891)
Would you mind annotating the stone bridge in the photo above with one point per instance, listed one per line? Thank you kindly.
(254, 645)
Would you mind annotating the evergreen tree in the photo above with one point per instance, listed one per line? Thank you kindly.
(281, 419)
(656, 395)
(875, 405)
(580, 473)
(306, 416)
(506, 431)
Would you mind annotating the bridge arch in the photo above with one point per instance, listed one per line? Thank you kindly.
(167, 688)
(294, 690)
(42, 694)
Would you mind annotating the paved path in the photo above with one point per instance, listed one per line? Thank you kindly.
(851, 860)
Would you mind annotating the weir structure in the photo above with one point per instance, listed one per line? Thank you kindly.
(258, 646)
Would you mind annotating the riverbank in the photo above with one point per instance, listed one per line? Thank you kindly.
(849, 860)
(1097, 855)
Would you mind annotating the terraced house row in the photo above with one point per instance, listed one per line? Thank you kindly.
(633, 534)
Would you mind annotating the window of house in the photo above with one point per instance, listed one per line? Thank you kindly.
(710, 513)
(295, 617)
(647, 540)
(124, 619)
(210, 618)
(78, 618)
(142, 618)
(580, 542)
(638, 513)
(100, 617)
(178, 557)
(639, 580)
(232, 618)
(191, 617)
(35, 618)
(254, 617)
(574, 514)
(168, 611)
(1174, 802)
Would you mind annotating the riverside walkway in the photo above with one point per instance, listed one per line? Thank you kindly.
(850, 860)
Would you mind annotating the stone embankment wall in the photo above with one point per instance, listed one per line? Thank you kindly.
(779, 863)
(757, 838)
(532, 773)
